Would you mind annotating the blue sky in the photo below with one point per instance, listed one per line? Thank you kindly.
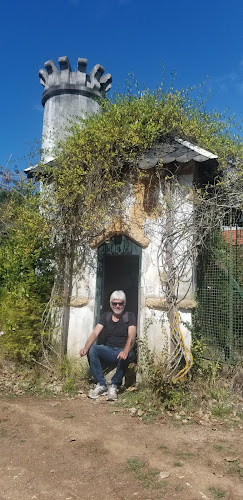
(195, 39)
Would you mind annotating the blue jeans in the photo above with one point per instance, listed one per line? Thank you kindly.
(100, 355)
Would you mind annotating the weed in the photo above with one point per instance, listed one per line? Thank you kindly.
(216, 493)
(215, 394)
(70, 386)
(178, 464)
(218, 447)
(69, 415)
(135, 464)
(42, 391)
(142, 399)
(148, 476)
(153, 370)
(236, 469)
(175, 422)
(2, 432)
(178, 488)
(186, 454)
(73, 373)
(164, 448)
(221, 410)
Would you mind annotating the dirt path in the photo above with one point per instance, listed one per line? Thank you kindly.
(75, 448)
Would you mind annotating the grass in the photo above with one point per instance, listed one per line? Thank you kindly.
(147, 475)
(236, 469)
(67, 377)
(69, 415)
(179, 488)
(2, 432)
(34, 388)
(221, 410)
(178, 464)
(135, 464)
(70, 376)
(141, 399)
(216, 493)
(218, 447)
(164, 448)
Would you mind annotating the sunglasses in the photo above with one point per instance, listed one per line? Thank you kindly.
(118, 304)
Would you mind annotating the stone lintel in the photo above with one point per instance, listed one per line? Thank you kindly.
(160, 303)
(118, 226)
(78, 301)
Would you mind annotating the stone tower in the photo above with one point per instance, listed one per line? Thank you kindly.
(68, 95)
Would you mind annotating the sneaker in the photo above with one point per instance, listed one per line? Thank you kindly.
(112, 393)
(97, 391)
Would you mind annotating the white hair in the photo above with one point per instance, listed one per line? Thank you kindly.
(118, 295)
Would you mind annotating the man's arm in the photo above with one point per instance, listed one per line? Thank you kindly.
(92, 338)
(129, 343)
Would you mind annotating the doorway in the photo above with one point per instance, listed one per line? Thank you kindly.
(119, 262)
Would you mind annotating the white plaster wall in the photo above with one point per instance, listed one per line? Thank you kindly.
(186, 317)
(153, 322)
(80, 326)
(155, 328)
(184, 220)
(81, 321)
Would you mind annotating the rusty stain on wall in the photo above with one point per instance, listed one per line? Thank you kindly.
(133, 228)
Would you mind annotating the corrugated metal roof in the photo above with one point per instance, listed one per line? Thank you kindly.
(174, 150)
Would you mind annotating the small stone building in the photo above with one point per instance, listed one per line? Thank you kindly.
(126, 255)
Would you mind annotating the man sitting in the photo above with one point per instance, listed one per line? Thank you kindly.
(120, 335)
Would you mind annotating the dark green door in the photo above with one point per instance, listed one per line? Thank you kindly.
(118, 268)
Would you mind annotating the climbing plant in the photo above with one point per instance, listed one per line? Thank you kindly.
(97, 164)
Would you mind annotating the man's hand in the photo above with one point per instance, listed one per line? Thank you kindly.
(83, 352)
(122, 355)
(92, 338)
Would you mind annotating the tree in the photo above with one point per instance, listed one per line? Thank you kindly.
(26, 270)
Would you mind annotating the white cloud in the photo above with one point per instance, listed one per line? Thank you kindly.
(231, 81)
(38, 107)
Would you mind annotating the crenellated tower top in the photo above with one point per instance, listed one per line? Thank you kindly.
(69, 95)
(55, 80)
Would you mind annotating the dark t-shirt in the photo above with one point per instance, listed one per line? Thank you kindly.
(117, 331)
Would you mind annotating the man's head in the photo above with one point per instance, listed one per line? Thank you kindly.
(118, 302)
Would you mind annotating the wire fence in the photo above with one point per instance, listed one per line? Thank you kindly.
(220, 294)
